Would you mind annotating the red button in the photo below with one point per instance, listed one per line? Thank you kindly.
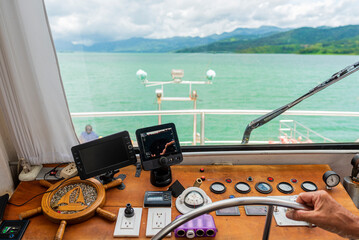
(270, 179)
(201, 170)
(203, 178)
(228, 180)
(293, 180)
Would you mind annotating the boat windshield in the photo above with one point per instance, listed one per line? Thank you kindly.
(210, 69)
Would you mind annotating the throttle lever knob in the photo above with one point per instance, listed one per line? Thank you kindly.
(355, 163)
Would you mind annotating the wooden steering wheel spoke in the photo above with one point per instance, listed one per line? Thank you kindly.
(112, 184)
(45, 183)
(30, 213)
(61, 230)
(106, 214)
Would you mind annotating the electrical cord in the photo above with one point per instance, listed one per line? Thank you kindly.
(53, 170)
(19, 205)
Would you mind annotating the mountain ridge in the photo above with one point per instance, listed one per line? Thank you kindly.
(144, 45)
(265, 39)
(305, 40)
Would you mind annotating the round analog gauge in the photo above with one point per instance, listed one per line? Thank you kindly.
(331, 179)
(285, 187)
(242, 187)
(309, 186)
(264, 187)
(193, 199)
(218, 188)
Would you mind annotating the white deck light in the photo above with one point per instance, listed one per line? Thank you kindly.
(142, 75)
(210, 74)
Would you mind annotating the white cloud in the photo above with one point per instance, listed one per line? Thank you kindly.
(90, 21)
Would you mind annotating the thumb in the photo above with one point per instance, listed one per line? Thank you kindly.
(298, 215)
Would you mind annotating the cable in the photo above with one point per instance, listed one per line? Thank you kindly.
(53, 170)
(19, 205)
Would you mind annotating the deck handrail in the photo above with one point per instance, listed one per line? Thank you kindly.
(213, 111)
(203, 112)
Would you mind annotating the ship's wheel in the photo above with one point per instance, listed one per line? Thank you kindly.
(73, 201)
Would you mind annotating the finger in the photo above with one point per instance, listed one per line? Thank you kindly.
(290, 214)
(307, 204)
(299, 215)
(307, 198)
(299, 199)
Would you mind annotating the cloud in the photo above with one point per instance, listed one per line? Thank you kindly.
(91, 21)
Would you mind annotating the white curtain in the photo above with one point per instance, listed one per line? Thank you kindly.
(6, 183)
(32, 95)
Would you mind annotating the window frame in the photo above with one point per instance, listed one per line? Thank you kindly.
(348, 148)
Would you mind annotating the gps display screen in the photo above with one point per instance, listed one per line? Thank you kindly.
(158, 143)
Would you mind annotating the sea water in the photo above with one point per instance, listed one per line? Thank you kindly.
(105, 82)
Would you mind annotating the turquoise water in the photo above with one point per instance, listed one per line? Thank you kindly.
(96, 82)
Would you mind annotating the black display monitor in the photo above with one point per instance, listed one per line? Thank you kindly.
(159, 149)
(104, 156)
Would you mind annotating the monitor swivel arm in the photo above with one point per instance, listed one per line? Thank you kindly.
(275, 113)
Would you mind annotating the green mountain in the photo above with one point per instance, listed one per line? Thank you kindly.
(323, 40)
(144, 45)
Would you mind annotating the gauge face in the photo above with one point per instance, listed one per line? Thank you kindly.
(263, 187)
(331, 179)
(242, 187)
(309, 186)
(285, 187)
(193, 199)
(218, 188)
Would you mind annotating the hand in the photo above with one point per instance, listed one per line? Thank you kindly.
(327, 214)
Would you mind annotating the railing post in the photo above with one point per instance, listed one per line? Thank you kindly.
(194, 123)
(159, 115)
(159, 94)
(202, 128)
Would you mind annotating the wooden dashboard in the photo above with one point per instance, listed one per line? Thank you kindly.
(229, 227)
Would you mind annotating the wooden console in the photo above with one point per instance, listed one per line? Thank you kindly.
(229, 227)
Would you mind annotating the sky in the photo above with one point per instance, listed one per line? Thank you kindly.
(91, 21)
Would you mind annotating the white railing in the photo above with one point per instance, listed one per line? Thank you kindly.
(204, 112)
(289, 130)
